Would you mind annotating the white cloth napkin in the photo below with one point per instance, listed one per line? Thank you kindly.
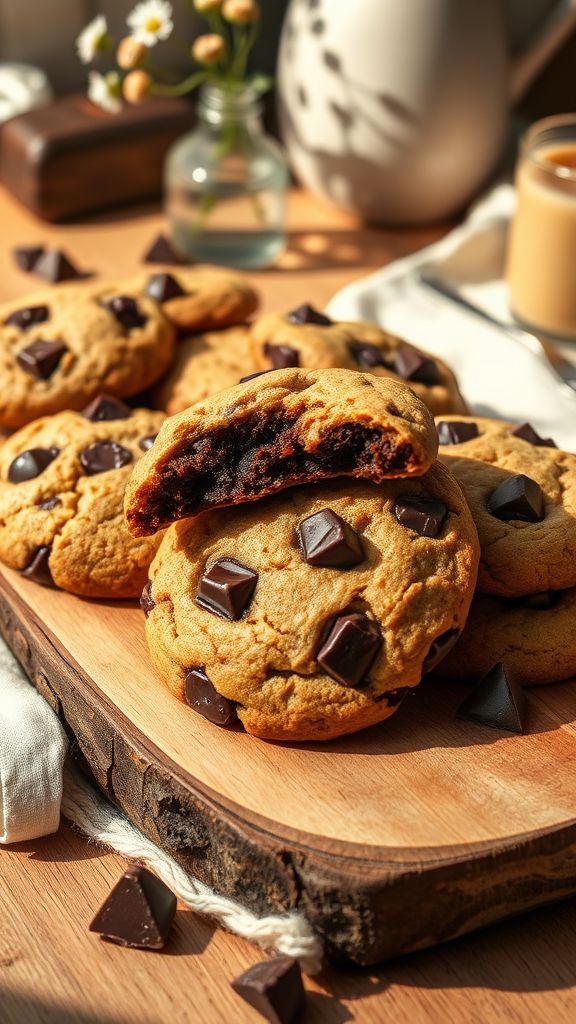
(33, 745)
(499, 375)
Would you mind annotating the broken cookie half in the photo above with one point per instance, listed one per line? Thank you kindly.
(282, 428)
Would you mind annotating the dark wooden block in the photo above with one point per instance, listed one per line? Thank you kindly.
(72, 158)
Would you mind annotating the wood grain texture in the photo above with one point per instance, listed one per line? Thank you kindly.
(406, 835)
(54, 971)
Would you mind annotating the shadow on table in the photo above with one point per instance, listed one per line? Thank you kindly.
(528, 953)
(320, 249)
(18, 1008)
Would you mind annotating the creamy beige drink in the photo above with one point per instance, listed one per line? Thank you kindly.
(541, 269)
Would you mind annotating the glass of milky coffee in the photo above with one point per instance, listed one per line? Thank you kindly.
(541, 263)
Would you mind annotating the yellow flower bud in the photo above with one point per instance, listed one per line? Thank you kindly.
(129, 53)
(136, 86)
(207, 6)
(240, 12)
(209, 49)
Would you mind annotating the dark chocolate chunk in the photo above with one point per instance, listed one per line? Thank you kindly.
(161, 251)
(498, 700)
(162, 287)
(227, 588)
(101, 456)
(274, 988)
(145, 443)
(541, 602)
(30, 464)
(24, 318)
(105, 407)
(423, 515)
(519, 497)
(54, 266)
(126, 311)
(350, 648)
(306, 314)
(327, 540)
(415, 366)
(49, 503)
(147, 602)
(527, 433)
(439, 649)
(367, 356)
(41, 358)
(38, 569)
(27, 255)
(201, 695)
(281, 356)
(252, 376)
(456, 431)
(138, 912)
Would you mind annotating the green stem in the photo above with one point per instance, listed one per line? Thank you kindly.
(190, 83)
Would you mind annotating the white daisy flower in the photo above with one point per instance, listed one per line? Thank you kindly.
(105, 91)
(150, 21)
(92, 39)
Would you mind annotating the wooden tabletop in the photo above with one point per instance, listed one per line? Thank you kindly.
(53, 971)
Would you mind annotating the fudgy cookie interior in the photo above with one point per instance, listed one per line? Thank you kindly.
(260, 454)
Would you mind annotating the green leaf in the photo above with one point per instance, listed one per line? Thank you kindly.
(261, 83)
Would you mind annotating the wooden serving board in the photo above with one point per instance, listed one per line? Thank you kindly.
(390, 840)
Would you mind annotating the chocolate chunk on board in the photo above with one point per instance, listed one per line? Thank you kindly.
(497, 701)
(274, 988)
(291, 427)
(138, 912)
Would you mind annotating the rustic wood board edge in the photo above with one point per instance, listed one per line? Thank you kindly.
(367, 903)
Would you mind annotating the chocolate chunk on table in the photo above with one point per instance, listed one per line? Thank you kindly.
(161, 250)
(25, 256)
(138, 912)
(274, 988)
(54, 266)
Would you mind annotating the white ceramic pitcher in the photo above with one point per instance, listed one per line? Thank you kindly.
(395, 109)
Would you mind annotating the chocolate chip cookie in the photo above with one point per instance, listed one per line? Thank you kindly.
(275, 430)
(532, 636)
(197, 298)
(308, 338)
(522, 494)
(62, 482)
(59, 348)
(203, 365)
(314, 612)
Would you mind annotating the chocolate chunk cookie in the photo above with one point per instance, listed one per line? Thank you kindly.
(314, 612)
(197, 298)
(309, 339)
(532, 636)
(62, 482)
(522, 495)
(61, 347)
(283, 428)
(203, 365)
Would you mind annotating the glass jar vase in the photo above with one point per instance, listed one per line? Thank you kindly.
(225, 184)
